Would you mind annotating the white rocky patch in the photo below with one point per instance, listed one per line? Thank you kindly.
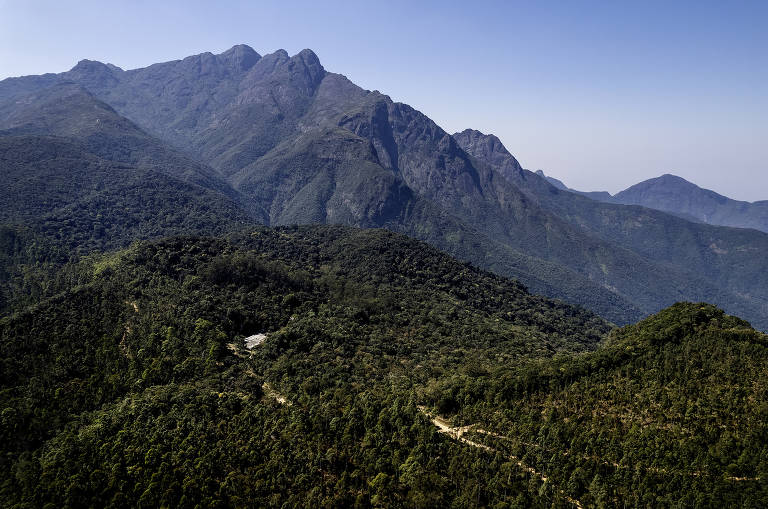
(255, 340)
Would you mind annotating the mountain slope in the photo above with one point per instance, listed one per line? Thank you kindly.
(82, 174)
(433, 165)
(136, 386)
(333, 176)
(88, 203)
(669, 412)
(316, 103)
(324, 175)
(240, 113)
(715, 264)
(69, 111)
(675, 195)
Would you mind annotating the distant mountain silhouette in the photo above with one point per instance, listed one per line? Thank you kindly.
(678, 196)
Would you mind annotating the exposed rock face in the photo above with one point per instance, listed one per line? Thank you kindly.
(489, 148)
(240, 57)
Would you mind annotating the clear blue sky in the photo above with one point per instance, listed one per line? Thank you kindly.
(599, 94)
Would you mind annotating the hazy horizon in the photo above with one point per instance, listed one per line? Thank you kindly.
(601, 96)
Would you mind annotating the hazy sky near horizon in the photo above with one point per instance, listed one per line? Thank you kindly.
(599, 94)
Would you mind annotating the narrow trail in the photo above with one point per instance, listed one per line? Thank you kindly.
(457, 434)
(597, 459)
(123, 345)
(270, 392)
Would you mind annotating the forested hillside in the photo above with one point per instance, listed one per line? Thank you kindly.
(212, 295)
(136, 386)
(693, 261)
(669, 412)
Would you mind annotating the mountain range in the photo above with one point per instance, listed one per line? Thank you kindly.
(202, 305)
(214, 142)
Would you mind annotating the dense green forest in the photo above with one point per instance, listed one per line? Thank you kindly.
(135, 386)
(82, 202)
(126, 381)
(670, 412)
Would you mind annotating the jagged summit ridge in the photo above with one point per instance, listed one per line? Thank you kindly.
(489, 147)
(243, 115)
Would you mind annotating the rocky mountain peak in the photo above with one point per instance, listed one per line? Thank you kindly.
(86, 65)
(239, 57)
(555, 182)
(299, 77)
(91, 73)
(489, 140)
(311, 65)
(267, 65)
(94, 66)
(308, 57)
(489, 147)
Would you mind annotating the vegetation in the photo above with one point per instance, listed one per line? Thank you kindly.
(31, 268)
(670, 412)
(136, 388)
(134, 284)
(85, 203)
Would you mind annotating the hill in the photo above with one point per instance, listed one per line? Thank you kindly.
(668, 412)
(85, 202)
(323, 174)
(140, 384)
(715, 264)
(69, 111)
(89, 179)
(136, 386)
(675, 195)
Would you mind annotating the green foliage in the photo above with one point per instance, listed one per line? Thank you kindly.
(84, 203)
(125, 379)
(669, 412)
(135, 387)
(32, 268)
(648, 257)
